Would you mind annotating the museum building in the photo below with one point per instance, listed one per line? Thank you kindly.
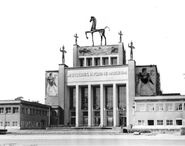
(102, 90)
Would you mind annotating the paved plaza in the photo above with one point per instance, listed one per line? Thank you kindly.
(53, 139)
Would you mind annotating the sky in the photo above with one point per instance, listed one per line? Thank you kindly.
(32, 32)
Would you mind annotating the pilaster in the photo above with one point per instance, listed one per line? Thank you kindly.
(61, 91)
(75, 56)
(131, 91)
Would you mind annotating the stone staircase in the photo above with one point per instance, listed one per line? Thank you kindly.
(85, 130)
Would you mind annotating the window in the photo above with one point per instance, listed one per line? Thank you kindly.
(109, 97)
(150, 107)
(43, 113)
(114, 61)
(159, 122)
(72, 97)
(169, 122)
(31, 111)
(23, 110)
(81, 62)
(178, 106)
(1, 123)
(178, 122)
(141, 122)
(121, 93)
(169, 107)
(105, 61)
(15, 109)
(1, 110)
(96, 97)
(150, 122)
(7, 123)
(84, 97)
(96, 61)
(140, 107)
(8, 109)
(14, 123)
(26, 111)
(39, 112)
(89, 61)
(85, 113)
(159, 107)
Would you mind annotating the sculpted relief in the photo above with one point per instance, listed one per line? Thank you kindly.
(99, 50)
(51, 84)
(145, 81)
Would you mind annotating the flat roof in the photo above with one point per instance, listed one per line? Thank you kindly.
(32, 103)
(154, 98)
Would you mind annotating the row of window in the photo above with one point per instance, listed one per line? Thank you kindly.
(159, 122)
(9, 110)
(32, 124)
(160, 107)
(97, 61)
(33, 111)
(8, 123)
(28, 111)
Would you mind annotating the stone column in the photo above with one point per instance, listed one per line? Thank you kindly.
(93, 61)
(101, 61)
(85, 61)
(115, 106)
(109, 61)
(77, 106)
(101, 106)
(89, 106)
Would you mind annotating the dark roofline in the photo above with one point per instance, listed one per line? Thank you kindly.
(6, 102)
(170, 94)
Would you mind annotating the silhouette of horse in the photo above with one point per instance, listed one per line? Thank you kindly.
(93, 29)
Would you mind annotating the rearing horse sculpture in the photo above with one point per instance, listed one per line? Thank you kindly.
(93, 29)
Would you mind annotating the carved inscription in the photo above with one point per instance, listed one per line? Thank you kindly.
(94, 74)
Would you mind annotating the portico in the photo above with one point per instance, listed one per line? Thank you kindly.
(97, 101)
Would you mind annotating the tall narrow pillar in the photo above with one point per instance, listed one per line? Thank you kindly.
(115, 106)
(89, 106)
(109, 62)
(75, 55)
(77, 106)
(101, 106)
(93, 62)
(85, 61)
(131, 92)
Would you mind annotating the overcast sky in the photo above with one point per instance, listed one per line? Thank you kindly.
(32, 32)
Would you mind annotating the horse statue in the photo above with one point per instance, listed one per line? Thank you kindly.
(93, 29)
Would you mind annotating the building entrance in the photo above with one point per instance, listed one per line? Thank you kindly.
(96, 118)
(109, 118)
(85, 118)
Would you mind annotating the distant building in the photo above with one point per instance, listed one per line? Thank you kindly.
(20, 114)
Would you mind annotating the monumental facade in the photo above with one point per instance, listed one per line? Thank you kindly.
(105, 89)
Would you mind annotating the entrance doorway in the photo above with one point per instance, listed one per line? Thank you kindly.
(85, 118)
(109, 118)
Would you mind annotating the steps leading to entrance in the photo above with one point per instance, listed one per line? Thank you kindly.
(86, 129)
